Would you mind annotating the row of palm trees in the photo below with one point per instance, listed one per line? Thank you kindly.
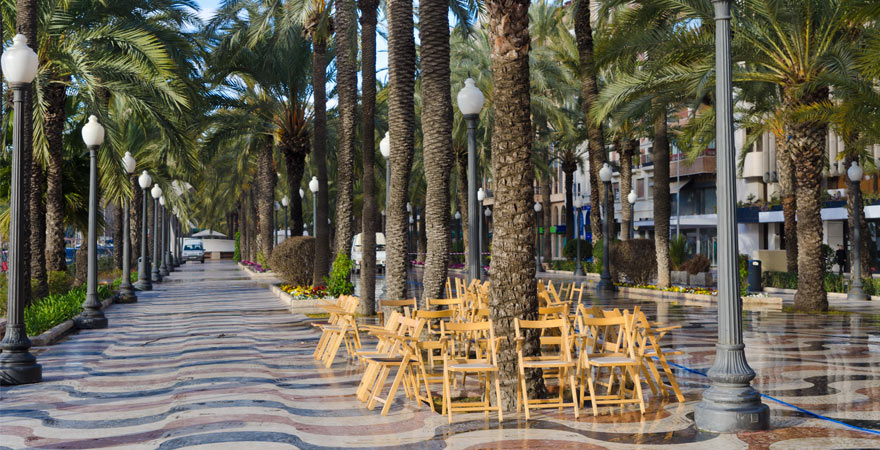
(126, 62)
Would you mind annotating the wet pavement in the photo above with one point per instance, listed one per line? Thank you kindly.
(213, 360)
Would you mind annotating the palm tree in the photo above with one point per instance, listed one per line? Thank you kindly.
(401, 123)
(369, 10)
(513, 291)
(26, 14)
(345, 18)
(437, 137)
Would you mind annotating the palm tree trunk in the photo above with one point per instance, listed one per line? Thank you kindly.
(319, 155)
(461, 163)
(626, 209)
(547, 213)
(117, 236)
(136, 216)
(265, 184)
(808, 153)
(26, 22)
(369, 9)
(590, 92)
(245, 221)
(346, 86)
(785, 169)
(401, 115)
(38, 231)
(569, 201)
(81, 261)
(662, 197)
(295, 160)
(513, 292)
(54, 125)
(437, 140)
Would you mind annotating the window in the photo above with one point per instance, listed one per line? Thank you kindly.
(192, 247)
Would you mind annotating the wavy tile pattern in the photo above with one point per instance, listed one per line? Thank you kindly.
(211, 360)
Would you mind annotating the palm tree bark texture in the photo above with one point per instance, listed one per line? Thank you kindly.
(38, 231)
(569, 166)
(437, 140)
(627, 151)
(26, 24)
(243, 226)
(252, 226)
(462, 190)
(785, 173)
(265, 184)
(513, 291)
(117, 235)
(56, 96)
(369, 10)
(401, 115)
(295, 159)
(319, 155)
(346, 85)
(583, 31)
(662, 205)
(808, 153)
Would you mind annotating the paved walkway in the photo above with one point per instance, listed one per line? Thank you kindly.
(211, 360)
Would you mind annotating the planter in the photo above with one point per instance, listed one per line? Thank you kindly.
(61, 330)
(254, 274)
(760, 300)
(678, 277)
(753, 302)
(304, 306)
(700, 279)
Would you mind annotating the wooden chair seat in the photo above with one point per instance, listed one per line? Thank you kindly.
(613, 361)
(548, 363)
(472, 367)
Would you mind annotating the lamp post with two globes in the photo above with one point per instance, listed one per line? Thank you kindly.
(126, 290)
(144, 282)
(470, 102)
(17, 364)
(156, 192)
(92, 317)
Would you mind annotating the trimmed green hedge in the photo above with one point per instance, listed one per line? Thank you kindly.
(833, 282)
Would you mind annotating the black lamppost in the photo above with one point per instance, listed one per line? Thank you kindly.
(175, 227)
(163, 235)
(730, 404)
(538, 267)
(144, 282)
(156, 192)
(126, 290)
(631, 198)
(17, 364)
(284, 203)
(313, 186)
(92, 317)
(481, 195)
(385, 149)
(856, 289)
(470, 103)
(457, 230)
(578, 203)
(606, 285)
(488, 214)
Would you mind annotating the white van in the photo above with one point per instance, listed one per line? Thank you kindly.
(193, 250)
(357, 250)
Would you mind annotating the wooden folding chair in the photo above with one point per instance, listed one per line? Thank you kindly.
(344, 330)
(626, 360)
(405, 303)
(483, 365)
(433, 324)
(405, 361)
(653, 353)
(345, 304)
(560, 360)
(565, 291)
(576, 294)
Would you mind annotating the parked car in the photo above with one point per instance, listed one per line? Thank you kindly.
(357, 251)
(193, 250)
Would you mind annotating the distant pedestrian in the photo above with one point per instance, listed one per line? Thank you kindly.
(840, 256)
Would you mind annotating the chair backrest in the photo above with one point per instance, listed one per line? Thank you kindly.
(473, 330)
(445, 302)
(411, 302)
(556, 331)
(617, 331)
(576, 294)
(433, 319)
(554, 295)
(553, 312)
(565, 290)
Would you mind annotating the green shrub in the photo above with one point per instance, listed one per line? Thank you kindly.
(338, 283)
(54, 309)
(59, 282)
(743, 275)
(635, 260)
(699, 263)
(261, 260)
(596, 266)
(570, 249)
(567, 265)
(677, 251)
(236, 255)
(781, 280)
(293, 260)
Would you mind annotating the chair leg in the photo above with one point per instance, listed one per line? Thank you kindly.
(592, 392)
(446, 397)
(397, 378)
(498, 398)
(652, 377)
(638, 388)
(525, 392)
(573, 387)
(377, 388)
(673, 383)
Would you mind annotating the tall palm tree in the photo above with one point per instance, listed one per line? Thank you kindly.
(345, 22)
(369, 10)
(437, 138)
(513, 291)
(26, 14)
(401, 124)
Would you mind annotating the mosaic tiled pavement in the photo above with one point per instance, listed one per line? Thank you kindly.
(212, 360)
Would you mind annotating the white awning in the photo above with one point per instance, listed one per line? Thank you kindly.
(871, 212)
(675, 186)
(700, 220)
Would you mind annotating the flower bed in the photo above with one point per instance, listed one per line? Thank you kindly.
(304, 292)
(258, 268)
(679, 289)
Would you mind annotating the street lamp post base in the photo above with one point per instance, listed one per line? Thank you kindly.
(731, 409)
(156, 277)
(143, 285)
(15, 373)
(90, 322)
(578, 270)
(856, 294)
(127, 297)
(606, 287)
(164, 272)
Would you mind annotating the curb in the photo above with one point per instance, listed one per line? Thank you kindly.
(311, 306)
(61, 330)
(255, 275)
